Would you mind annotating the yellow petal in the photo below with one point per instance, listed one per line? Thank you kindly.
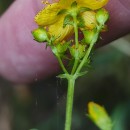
(59, 32)
(89, 19)
(93, 4)
(48, 15)
(66, 3)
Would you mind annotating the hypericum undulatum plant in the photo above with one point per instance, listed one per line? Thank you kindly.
(57, 23)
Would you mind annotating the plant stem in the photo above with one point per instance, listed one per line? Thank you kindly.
(76, 31)
(76, 43)
(88, 51)
(62, 65)
(84, 59)
(69, 103)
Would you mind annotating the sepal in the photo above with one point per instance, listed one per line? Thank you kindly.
(68, 20)
(89, 35)
(74, 4)
(60, 48)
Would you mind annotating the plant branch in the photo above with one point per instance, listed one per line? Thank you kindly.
(88, 50)
(76, 44)
(61, 64)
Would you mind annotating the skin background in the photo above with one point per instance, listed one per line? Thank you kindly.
(26, 60)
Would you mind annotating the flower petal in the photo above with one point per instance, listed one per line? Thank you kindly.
(66, 3)
(93, 4)
(48, 15)
(59, 32)
(89, 18)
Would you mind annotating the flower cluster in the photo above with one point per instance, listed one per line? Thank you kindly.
(59, 21)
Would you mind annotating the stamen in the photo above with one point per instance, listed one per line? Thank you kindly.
(45, 2)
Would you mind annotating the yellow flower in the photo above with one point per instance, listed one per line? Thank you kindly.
(99, 116)
(49, 16)
(89, 18)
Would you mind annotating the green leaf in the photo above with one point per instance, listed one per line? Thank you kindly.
(62, 76)
(81, 74)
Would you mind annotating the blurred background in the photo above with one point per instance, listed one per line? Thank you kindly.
(41, 105)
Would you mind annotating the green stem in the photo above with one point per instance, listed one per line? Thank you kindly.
(62, 65)
(76, 31)
(84, 59)
(69, 103)
(76, 43)
(88, 51)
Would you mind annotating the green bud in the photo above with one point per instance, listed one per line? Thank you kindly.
(40, 35)
(88, 36)
(72, 50)
(102, 16)
(60, 48)
(79, 52)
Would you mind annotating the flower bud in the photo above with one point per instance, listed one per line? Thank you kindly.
(102, 16)
(40, 35)
(62, 47)
(77, 53)
(99, 116)
(88, 36)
